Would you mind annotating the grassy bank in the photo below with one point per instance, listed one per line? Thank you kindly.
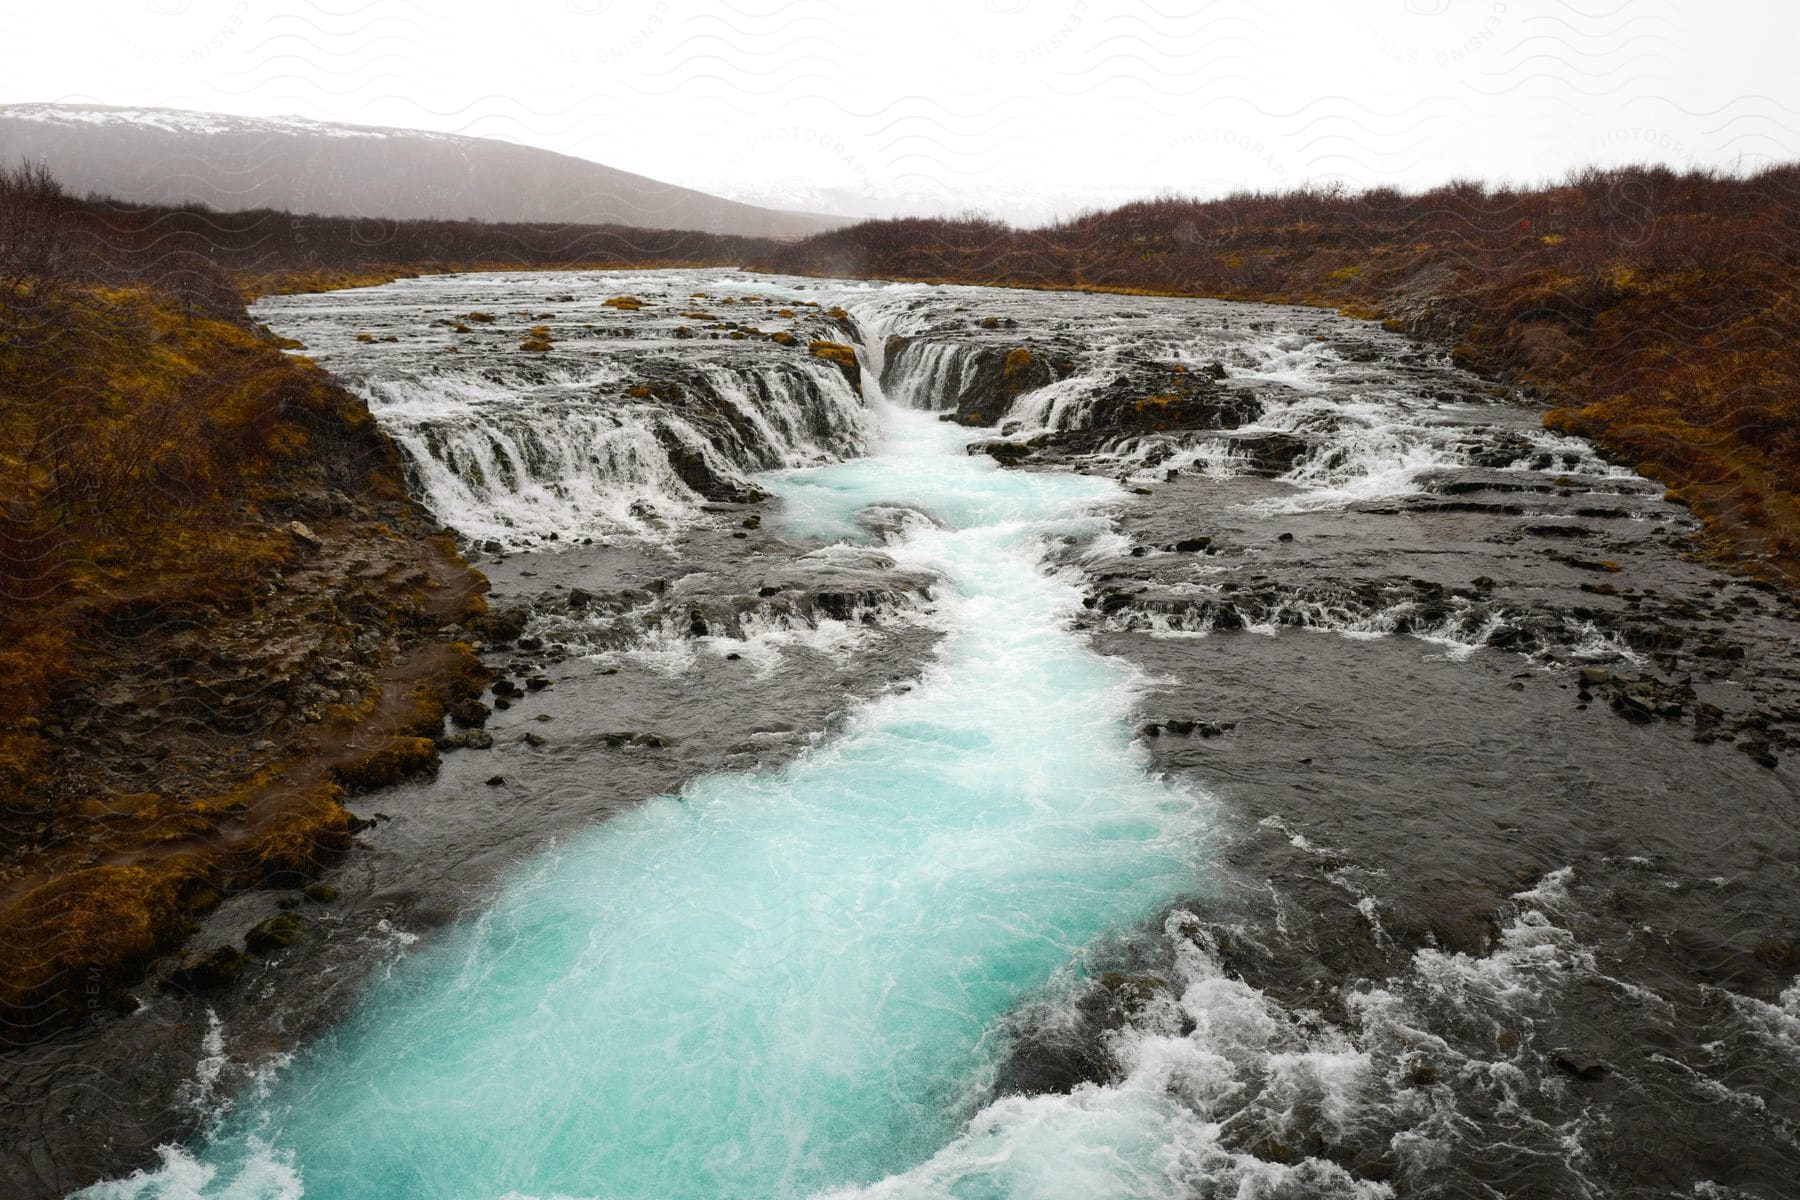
(219, 611)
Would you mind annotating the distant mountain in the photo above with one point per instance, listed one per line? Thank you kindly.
(173, 156)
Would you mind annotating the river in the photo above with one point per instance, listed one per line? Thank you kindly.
(1154, 813)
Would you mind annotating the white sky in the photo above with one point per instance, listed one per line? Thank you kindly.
(1019, 107)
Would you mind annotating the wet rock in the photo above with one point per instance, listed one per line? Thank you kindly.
(277, 932)
(1004, 453)
(1759, 753)
(579, 598)
(319, 892)
(647, 741)
(1159, 396)
(1132, 992)
(502, 625)
(1645, 698)
(1270, 454)
(496, 781)
(843, 358)
(207, 970)
(467, 739)
(469, 713)
(1580, 1066)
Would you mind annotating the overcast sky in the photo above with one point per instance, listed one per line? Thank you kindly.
(1023, 108)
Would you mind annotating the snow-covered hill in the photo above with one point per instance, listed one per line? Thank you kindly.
(166, 155)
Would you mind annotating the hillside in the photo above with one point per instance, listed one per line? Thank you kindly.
(175, 157)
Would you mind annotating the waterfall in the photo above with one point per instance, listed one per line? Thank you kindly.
(516, 458)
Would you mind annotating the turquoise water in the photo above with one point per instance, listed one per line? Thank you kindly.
(778, 983)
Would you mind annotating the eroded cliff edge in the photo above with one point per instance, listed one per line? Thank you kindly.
(223, 616)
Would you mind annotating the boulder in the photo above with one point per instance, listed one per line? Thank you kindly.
(469, 713)
(277, 933)
(207, 970)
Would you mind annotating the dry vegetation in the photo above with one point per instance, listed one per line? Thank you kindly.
(157, 454)
(1656, 312)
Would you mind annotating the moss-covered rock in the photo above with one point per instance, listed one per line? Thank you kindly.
(277, 933)
(394, 761)
(207, 970)
(843, 358)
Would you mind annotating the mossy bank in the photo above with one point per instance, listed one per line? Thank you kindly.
(222, 616)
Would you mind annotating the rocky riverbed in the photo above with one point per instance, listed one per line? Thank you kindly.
(1493, 888)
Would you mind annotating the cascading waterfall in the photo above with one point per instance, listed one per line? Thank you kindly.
(517, 457)
(773, 983)
(928, 374)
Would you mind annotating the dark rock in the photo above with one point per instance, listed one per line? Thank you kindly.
(319, 892)
(1192, 545)
(496, 781)
(276, 933)
(466, 739)
(1759, 753)
(580, 598)
(470, 713)
(501, 625)
(1003, 452)
(208, 970)
(1271, 453)
(1581, 1066)
(1151, 396)
(648, 741)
